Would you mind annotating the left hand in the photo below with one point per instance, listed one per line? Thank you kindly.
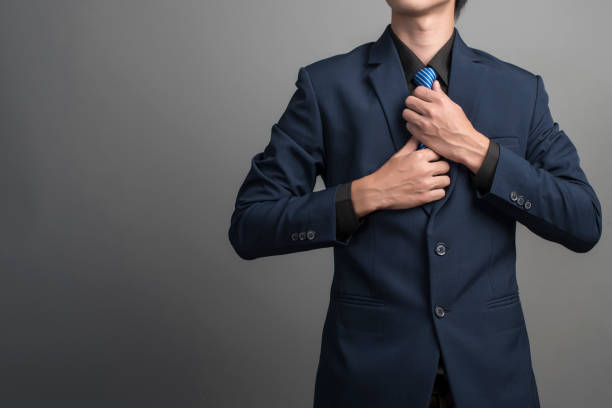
(437, 121)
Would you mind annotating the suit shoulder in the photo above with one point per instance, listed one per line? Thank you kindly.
(504, 66)
(338, 66)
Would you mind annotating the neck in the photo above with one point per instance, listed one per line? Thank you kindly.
(425, 33)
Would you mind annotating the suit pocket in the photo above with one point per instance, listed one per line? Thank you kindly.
(356, 313)
(356, 299)
(508, 141)
(503, 136)
(504, 313)
(501, 301)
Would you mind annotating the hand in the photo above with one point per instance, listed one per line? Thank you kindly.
(437, 121)
(408, 179)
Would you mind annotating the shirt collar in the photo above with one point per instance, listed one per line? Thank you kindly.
(411, 63)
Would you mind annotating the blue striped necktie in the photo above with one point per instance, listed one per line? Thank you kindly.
(425, 76)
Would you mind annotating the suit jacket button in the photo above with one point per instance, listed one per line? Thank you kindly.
(294, 236)
(302, 235)
(440, 248)
(310, 235)
(520, 200)
(513, 196)
(527, 204)
(440, 312)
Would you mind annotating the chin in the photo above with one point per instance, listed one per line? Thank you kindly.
(415, 7)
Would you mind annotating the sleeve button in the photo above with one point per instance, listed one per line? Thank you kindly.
(302, 235)
(527, 204)
(513, 196)
(520, 200)
(310, 235)
(294, 236)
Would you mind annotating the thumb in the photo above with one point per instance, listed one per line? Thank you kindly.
(410, 145)
(436, 86)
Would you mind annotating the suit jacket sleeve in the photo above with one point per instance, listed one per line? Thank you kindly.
(563, 207)
(276, 210)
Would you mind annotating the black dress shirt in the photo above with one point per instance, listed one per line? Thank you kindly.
(347, 221)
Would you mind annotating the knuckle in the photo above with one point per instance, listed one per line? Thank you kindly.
(424, 196)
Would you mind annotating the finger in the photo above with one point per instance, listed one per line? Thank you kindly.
(411, 144)
(440, 167)
(430, 155)
(415, 104)
(425, 94)
(441, 181)
(435, 194)
(413, 117)
(408, 147)
(436, 87)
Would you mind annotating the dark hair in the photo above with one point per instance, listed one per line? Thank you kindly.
(458, 6)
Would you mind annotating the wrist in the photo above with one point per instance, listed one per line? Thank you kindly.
(365, 196)
(475, 151)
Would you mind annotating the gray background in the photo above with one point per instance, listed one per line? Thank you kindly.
(126, 130)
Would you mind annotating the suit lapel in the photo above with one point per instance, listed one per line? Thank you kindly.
(467, 76)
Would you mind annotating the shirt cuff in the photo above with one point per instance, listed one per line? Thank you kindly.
(484, 176)
(346, 219)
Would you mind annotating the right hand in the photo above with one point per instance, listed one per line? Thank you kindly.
(408, 179)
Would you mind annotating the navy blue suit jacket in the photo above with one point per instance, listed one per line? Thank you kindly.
(413, 284)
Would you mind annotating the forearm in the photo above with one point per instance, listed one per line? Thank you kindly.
(366, 196)
(474, 151)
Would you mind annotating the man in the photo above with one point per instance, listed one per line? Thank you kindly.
(430, 151)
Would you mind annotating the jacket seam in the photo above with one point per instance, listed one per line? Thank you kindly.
(535, 104)
(314, 93)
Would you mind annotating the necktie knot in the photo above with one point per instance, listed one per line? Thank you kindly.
(425, 76)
